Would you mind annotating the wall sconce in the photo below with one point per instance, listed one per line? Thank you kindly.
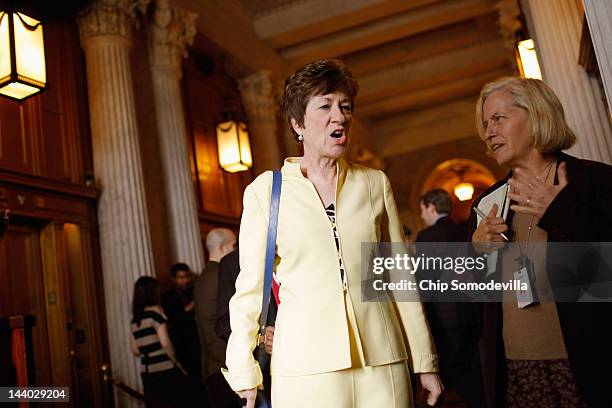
(22, 56)
(464, 191)
(234, 147)
(528, 59)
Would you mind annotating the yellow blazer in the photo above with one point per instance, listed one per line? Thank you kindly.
(311, 334)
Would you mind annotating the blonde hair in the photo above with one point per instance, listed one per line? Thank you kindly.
(545, 115)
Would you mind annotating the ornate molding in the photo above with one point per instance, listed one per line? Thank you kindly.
(171, 31)
(109, 17)
(257, 91)
(509, 22)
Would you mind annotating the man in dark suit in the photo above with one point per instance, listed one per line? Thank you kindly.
(455, 326)
(219, 242)
(229, 268)
(436, 206)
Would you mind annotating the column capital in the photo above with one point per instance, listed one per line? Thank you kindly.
(171, 30)
(257, 91)
(109, 17)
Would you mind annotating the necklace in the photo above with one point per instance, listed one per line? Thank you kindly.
(525, 263)
(547, 169)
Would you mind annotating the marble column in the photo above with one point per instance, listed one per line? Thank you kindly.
(171, 30)
(558, 27)
(125, 241)
(257, 91)
(599, 17)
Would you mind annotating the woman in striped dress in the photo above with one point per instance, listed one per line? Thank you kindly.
(163, 378)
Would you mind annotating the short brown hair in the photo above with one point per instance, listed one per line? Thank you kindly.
(441, 200)
(317, 78)
(545, 115)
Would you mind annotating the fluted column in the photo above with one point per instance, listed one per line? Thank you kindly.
(257, 91)
(122, 213)
(599, 17)
(170, 31)
(557, 30)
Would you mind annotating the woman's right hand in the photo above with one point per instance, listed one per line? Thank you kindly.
(487, 237)
(249, 395)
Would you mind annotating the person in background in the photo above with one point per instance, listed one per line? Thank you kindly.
(549, 353)
(163, 377)
(219, 242)
(455, 326)
(178, 305)
(436, 206)
(229, 268)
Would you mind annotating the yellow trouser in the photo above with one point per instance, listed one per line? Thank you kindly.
(385, 386)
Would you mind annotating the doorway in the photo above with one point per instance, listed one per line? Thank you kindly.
(22, 289)
(46, 270)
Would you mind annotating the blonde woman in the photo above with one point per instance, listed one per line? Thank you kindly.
(553, 350)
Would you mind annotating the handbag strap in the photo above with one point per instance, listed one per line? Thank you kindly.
(270, 248)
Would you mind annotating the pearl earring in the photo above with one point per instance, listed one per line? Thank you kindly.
(300, 137)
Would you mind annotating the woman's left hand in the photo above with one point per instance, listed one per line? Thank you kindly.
(432, 385)
(532, 195)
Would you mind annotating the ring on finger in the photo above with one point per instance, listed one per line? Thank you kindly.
(528, 201)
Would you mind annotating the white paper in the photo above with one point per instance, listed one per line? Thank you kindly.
(523, 297)
(499, 197)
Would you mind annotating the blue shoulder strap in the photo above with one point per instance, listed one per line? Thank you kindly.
(270, 248)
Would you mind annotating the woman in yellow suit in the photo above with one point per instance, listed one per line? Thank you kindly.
(330, 349)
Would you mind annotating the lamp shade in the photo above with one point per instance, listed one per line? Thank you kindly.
(464, 191)
(22, 56)
(528, 63)
(233, 145)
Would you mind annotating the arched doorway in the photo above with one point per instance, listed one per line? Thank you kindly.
(450, 174)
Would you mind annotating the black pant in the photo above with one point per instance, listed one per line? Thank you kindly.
(459, 359)
(168, 388)
(220, 393)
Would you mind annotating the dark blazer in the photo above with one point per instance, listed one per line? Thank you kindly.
(455, 326)
(447, 315)
(444, 230)
(582, 212)
(229, 268)
(205, 297)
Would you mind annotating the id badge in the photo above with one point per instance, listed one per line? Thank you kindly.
(526, 297)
